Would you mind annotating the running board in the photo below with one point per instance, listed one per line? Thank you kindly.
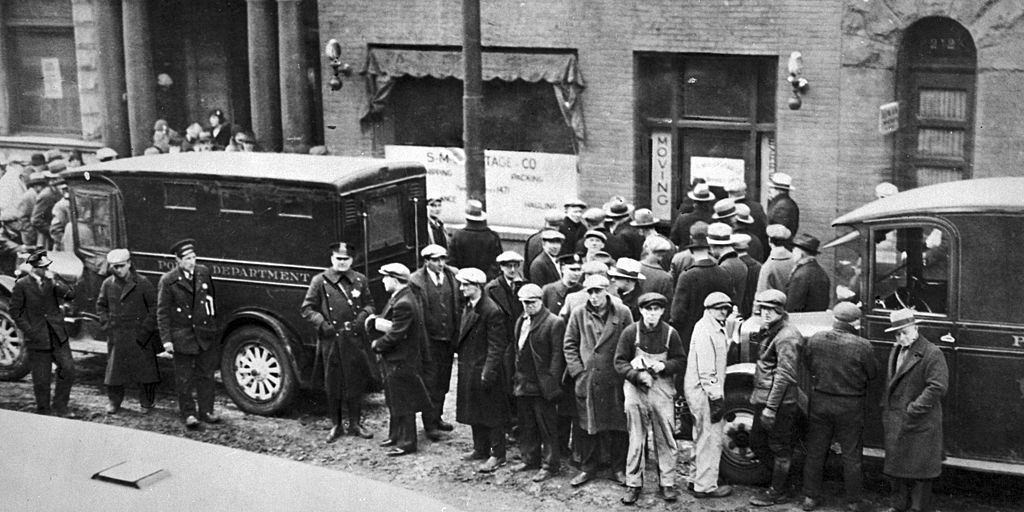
(985, 466)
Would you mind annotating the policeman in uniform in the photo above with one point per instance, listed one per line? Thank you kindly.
(186, 317)
(35, 307)
(337, 303)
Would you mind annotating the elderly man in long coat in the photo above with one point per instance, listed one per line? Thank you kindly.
(402, 347)
(336, 304)
(782, 209)
(591, 338)
(482, 400)
(808, 287)
(916, 380)
(126, 306)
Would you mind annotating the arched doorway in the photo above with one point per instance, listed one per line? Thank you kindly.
(936, 81)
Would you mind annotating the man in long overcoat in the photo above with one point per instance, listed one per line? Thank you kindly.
(337, 303)
(539, 364)
(482, 397)
(502, 290)
(591, 338)
(400, 339)
(439, 294)
(703, 200)
(476, 245)
(808, 287)
(534, 245)
(35, 308)
(916, 380)
(186, 317)
(779, 266)
(782, 209)
(126, 306)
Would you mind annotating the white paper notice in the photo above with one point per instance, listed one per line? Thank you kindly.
(52, 86)
(716, 171)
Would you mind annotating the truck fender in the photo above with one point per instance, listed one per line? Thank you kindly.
(7, 283)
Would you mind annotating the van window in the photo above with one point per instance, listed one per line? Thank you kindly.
(991, 284)
(236, 200)
(181, 196)
(384, 224)
(295, 206)
(911, 268)
(95, 219)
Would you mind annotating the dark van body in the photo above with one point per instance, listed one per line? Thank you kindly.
(954, 253)
(262, 224)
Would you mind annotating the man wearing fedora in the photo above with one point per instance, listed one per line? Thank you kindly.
(435, 282)
(703, 200)
(916, 380)
(436, 233)
(534, 243)
(482, 400)
(776, 396)
(400, 341)
(808, 287)
(621, 226)
(336, 304)
(782, 209)
(35, 308)
(745, 225)
(572, 225)
(626, 277)
(187, 318)
(646, 224)
(683, 260)
(476, 245)
(544, 268)
(840, 367)
(721, 239)
(126, 306)
(737, 190)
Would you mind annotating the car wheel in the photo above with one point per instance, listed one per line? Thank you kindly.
(257, 372)
(13, 353)
(739, 464)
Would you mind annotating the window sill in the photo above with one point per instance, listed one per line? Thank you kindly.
(48, 142)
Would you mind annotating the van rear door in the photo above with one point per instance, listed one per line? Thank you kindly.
(98, 224)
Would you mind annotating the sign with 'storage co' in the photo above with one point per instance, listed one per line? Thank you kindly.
(661, 174)
(521, 186)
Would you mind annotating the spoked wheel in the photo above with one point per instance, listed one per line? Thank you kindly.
(13, 353)
(739, 464)
(256, 371)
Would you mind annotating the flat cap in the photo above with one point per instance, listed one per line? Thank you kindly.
(553, 218)
(509, 257)
(530, 291)
(657, 244)
(103, 154)
(651, 299)
(778, 232)
(551, 235)
(771, 298)
(716, 299)
(596, 281)
(434, 251)
(118, 256)
(596, 234)
(846, 312)
(470, 275)
(395, 270)
(575, 202)
(594, 215)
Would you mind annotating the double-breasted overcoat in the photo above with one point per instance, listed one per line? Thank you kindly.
(912, 411)
(482, 393)
(127, 311)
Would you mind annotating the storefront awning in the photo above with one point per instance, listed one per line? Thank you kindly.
(383, 65)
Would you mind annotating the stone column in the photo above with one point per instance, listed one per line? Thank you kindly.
(264, 94)
(138, 72)
(295, 109)
(111, 67)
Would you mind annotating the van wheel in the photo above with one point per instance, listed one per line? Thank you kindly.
(257, 372)
(739, 464)
(13, 353)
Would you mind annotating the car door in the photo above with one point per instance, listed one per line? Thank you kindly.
(98, 224)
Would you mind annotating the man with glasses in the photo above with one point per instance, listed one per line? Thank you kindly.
(435, 283)
(127, 309)
(337, 303)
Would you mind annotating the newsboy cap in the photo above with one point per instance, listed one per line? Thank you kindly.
(771, 298)
(530, 291)
(470, 275)
(395, 270)
(434, 251)
(716, 300)
(651, 299)
(846, 312)
(118, 256)
(509, 257)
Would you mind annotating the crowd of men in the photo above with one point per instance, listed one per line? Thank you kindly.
(583, 359)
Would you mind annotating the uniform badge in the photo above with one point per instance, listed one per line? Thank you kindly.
(355, 293)
(204, 286)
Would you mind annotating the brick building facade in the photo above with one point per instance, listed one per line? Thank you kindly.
(857, 56)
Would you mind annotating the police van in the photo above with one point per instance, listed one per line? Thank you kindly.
(262, 224)
(952, 252)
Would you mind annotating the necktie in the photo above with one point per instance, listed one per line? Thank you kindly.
(900, 357)
(438, 279)
(524, 332)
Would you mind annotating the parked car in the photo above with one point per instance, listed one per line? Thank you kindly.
(262, 224)
(952, 252)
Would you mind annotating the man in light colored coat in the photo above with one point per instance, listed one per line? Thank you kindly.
(776, 271)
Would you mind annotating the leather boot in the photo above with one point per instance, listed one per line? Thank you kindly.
(780, 473)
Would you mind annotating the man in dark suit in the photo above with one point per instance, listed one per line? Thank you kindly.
(703, 200)
(35, 307)
(782, 209)
(482, 400)
(916, 380)
(476, 245)
(435, 226)
(186, 317)
(758, 219)
(436, 284)
(400, 339)
(808, 288)
(337, 303)
(544, 267)
(539, 364)
(534, 244)
(572, 225)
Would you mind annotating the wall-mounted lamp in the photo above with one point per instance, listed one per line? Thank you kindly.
(333, 52)
(799, 83)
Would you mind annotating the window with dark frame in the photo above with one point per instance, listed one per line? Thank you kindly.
(181, 196)
(236, 200)
(714, 106)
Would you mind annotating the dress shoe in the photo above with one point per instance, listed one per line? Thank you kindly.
(618, 477)
(65, 413)
(335, 434)
(491, 465)
(542, 474)
(632, 494)
(580, 479)
(444, 426)
(768, 498)
(387, 443)
(669, 493)
(191, 422)
(522, 466)
(433, 434)
(809, 504)
(719, 492)
(210, 418)
(358, 431)
(471, 456)
(398, 452)
(112, 408)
